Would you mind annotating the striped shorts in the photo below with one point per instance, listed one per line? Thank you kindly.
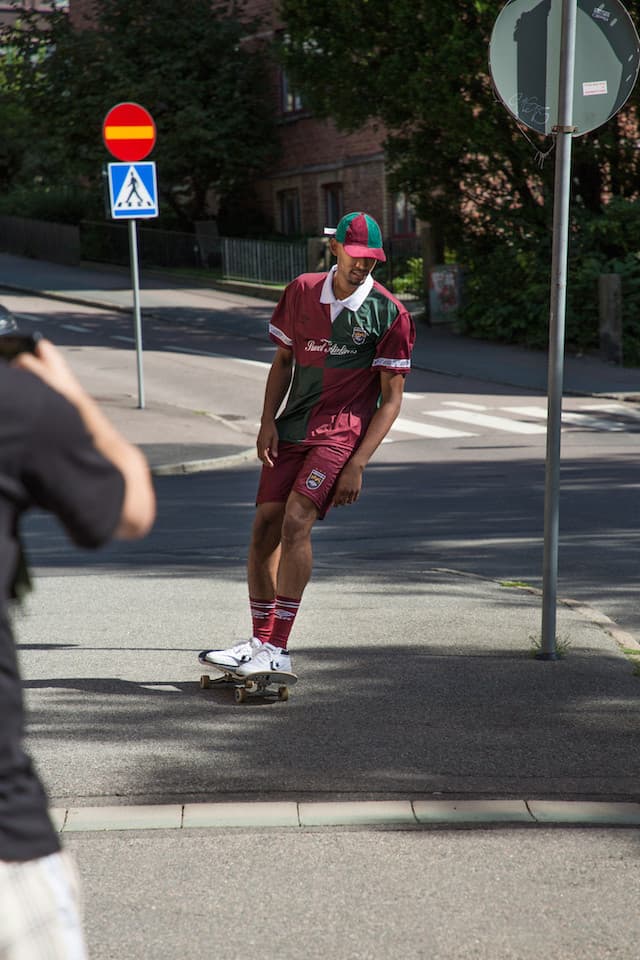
(40, 910)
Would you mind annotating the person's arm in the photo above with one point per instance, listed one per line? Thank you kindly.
(349, 483)
(278, 382)
(139, 503)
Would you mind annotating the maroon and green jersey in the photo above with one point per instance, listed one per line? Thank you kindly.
(336, 381)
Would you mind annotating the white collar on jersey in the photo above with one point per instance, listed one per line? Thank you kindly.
(353, 302)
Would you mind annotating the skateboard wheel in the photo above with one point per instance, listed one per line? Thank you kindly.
(239, 695)
(205, 681)
(249, 685)
(283, 693)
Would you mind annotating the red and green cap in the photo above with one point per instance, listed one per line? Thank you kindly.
(360, 236)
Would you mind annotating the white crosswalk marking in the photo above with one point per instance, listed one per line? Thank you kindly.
(261, 364)
(419, 429)
(463, 406)
(484, 420)
(578, 419)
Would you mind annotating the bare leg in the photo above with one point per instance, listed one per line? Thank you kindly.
(296, 558)
(264, 550)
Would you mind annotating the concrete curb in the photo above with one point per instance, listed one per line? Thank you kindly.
(360, 813)
(200, 466)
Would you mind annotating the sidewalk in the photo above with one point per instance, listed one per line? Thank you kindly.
(437, 348)
(333, 819)
(474, 600)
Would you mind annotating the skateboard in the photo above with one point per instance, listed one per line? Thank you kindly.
(262, 682)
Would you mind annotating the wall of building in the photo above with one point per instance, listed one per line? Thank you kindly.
(317, 163)
(316, 158)
(10, 12)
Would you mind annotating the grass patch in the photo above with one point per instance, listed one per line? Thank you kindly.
(634, 656)
(562, 645)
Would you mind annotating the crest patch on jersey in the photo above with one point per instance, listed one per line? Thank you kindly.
(358, 335)
(315, 479)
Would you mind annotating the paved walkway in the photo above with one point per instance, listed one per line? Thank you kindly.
(162, 790)
(437, 349)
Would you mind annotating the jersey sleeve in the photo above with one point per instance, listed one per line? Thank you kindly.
(66, 475)
(281, 327)
(393, 353)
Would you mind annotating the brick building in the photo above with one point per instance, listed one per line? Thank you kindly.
(321, 173)
(10, 12)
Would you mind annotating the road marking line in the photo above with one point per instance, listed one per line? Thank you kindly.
(483, 420)
(262, 364)
(419, 429)
(31, 317)
(74, 328)
(463, 406)
(578, 419)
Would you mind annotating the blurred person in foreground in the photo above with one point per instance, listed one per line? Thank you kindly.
(59, 453)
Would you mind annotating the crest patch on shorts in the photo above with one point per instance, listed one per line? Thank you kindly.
(358, 335)
(315, 479)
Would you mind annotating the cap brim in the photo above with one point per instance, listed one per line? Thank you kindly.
(355, 250)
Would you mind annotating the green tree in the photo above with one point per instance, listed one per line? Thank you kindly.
(421, 69)
(190, 65)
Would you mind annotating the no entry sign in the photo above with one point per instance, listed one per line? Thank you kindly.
(129, 132)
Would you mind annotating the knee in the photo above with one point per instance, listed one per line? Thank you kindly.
(297, 523)
(267, 525)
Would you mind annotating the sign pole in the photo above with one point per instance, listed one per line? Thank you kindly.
(135, 280)
(129, 134)
(562, 191)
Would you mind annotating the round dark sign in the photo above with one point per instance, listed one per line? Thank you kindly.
(524, 60)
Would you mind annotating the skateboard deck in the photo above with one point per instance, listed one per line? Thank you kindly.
(263, 682)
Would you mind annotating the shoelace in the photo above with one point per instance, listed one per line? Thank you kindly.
(244, 651)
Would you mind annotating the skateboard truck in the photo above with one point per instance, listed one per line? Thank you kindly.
(255, 683)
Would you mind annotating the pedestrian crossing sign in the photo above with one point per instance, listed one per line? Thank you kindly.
(133, 190)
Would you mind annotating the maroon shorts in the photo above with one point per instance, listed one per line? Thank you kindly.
(309, 470)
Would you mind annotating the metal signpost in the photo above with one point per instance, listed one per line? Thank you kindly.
(129, 133)
(563, 88)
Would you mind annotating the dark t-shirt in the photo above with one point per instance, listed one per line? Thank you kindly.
(47, 460)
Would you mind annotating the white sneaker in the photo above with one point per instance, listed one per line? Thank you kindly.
(233, 657)
(268, 659)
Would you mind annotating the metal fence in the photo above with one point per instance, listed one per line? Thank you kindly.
(109, 243)
(23, 236)
(262, 261)
(259, 261)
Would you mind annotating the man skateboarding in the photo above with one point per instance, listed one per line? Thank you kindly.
(343, 349)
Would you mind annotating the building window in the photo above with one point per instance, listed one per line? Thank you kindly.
(290, 101)
(404, 216)
(289, 209)
(333, 204)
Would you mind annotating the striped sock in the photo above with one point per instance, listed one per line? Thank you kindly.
(262, 612)
(284, 616)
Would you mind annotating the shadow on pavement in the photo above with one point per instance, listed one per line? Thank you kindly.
(386, 720)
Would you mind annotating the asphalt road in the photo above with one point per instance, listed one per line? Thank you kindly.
(415, 681)
(459, 484)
